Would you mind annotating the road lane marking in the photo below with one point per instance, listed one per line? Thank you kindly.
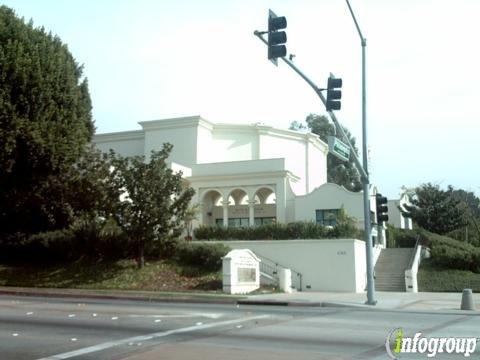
(190, 315)
(139, 339)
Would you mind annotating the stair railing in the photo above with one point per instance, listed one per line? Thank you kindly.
(411, 284)
(271, 268)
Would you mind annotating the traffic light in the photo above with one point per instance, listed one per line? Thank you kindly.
(334, 94)
(276, 38)
(382, 209)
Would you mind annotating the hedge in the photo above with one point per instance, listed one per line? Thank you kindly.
(278, 231)
(450, 253)
(400, 238)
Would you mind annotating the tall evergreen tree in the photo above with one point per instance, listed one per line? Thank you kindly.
(45, 124)
(338, 171)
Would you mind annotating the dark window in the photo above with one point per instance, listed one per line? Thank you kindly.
(264, 220)
(233, 222)
(327, 217)
(237, 222)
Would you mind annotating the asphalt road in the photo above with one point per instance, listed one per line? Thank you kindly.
(46, 328)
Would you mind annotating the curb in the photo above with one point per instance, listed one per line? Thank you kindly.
(213, 299)
(280, 303)
(126, 297)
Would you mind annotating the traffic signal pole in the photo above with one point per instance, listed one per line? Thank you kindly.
(332, 115)
(362, 168)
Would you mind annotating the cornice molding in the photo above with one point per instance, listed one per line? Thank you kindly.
(118, 136)
(236, 177)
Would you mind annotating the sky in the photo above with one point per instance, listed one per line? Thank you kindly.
(154, 59)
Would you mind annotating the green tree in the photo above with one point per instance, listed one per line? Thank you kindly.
(339, 172)
(436, 210)
(471, 205)
(45, 124)
(154, 202)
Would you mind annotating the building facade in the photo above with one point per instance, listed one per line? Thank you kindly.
(245, 174)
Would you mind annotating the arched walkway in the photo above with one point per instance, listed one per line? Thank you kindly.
(211, 201)
(245, 206)
(265, 209)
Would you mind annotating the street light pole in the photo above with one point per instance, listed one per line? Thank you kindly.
(366, 182)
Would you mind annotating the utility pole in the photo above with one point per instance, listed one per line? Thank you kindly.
(366, 182)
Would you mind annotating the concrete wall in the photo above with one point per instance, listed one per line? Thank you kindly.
(326, 265)
(183, 137)
(317, 167)
(293, 151)
(238, 167)
(233, 144)
(331, 196)
(128, 143)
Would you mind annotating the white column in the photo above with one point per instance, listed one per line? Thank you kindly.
(281, 201)
(251, 212)
(225, 213)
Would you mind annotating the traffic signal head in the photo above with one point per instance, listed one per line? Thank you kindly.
(276, 39)
(382, 208)
(334, 94)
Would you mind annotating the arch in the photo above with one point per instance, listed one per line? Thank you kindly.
(211, 199)
(265, 194)
(265, 209)
(212, 194)
(239, 195)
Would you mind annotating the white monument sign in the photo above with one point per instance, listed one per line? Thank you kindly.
(241, 272)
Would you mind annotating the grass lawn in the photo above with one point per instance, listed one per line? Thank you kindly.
(119, 275)
(432, 278)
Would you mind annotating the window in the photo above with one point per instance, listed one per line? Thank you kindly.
(327, 217)
(264, 220)
(233, 222)
(238, 222)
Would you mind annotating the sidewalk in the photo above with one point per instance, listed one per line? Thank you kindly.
(443, 302)
(423, 301)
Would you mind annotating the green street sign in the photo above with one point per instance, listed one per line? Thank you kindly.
(338, 148)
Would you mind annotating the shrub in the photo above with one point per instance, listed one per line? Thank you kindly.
(278, 231)
(450, 253)
(46, 247)
(401, 238)
(84, 239)
(205, 256)
(99, 239)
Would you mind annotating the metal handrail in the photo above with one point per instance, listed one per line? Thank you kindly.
(274, 264)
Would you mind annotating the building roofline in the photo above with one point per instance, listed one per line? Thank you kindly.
(197, 120)
(185, 121)
(116, 136)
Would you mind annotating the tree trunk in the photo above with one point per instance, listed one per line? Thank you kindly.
(141, 258)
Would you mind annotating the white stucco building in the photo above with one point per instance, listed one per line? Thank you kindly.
(245, 174)
(395, 216)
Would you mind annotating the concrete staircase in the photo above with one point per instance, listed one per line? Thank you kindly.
(390, 269)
